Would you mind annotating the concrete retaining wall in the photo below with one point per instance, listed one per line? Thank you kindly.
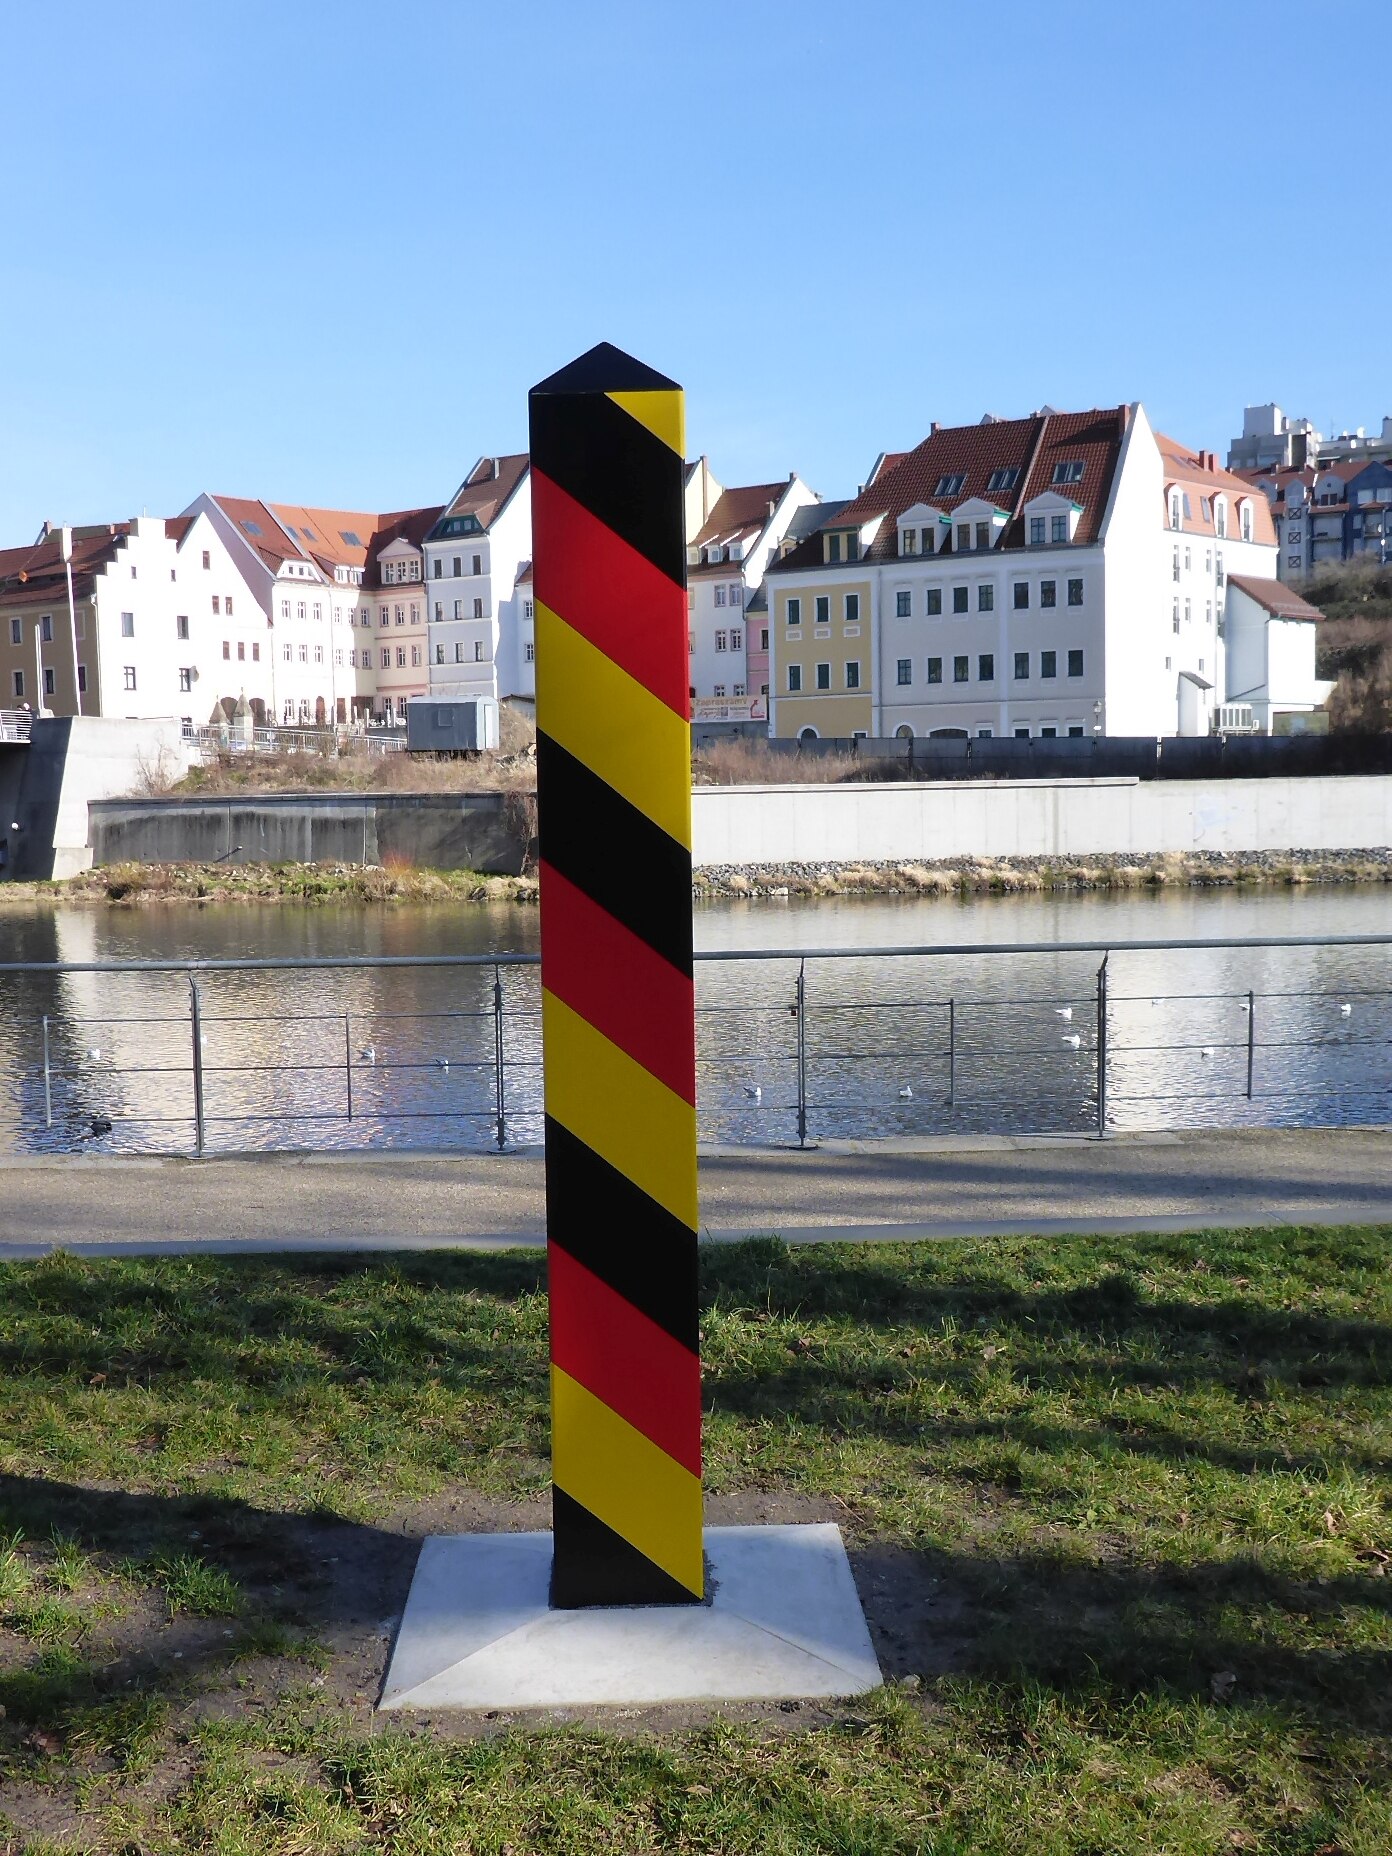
(69, 762)
(908, 822)
(438, 831)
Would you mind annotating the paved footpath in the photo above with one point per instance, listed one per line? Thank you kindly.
(954, 1187)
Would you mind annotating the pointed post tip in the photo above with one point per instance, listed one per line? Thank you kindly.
(606, 369)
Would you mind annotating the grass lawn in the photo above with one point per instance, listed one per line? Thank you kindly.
(1119, 1509)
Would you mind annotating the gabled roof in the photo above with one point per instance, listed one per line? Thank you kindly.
(487, 488)
(411, 525)
(1192, 470)
(737, 512)
(1031, 448)
(261, 530)
(31, 575)
(1275, 598)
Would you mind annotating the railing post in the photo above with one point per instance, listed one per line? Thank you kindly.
(498, 1077)
(348, 1058)
(196, 1015)
(1251, 1038)
(48, 1079)
(951, 1052)
(800, 1013)
(1102, 1049)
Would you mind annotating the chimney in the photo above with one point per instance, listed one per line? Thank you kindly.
(496, 470)
(933, 429)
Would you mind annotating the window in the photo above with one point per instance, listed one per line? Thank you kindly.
(961, 669)
(19, 685)
(1075, 592)
(950, 483)
(905, 670)
(478, 608)
(181, 627)
(1208, 612)
(1022, 665)
(458, 566)
(226, 651)
(983, 534)
(736, 640)
(1019, 595)
(46, 628)
(985, 597)
(128, 622)
(964, 536)
(1186, 612)
(853, 608)
(459, 653)
(529, 651)
(286, 652)
(386, 657)
(415, 657)
(302, 651)
(439, 571)
(217, 605)
(1048, 732)
(1075, 663)
(1036, 531)
(853, 547)
(737, 594)
(185, 682)
(1022, 734)
(207, 560)
(1174, 509)
(285, 608)
(1058, 528)
(1220, 517)
(459, 608)
(1187, 562)
(823, 609)
(526, 609)
(1069, 472)
(478, 651)
(1075, 731)
(763, 639)
(986, 667)
(824, 676)
(48, 680)
(720, 596)
(719, 689)
(959, 599)
(853, 676)
(1048, 663)
(794, 679)
(1174, 614)
(1047, 592)
(934, 606)
(1003, 479)
(478, 564)
(399, 614)
(133, 570)
(82, 678)
(401, 657)
(935, 670)
(722, 641)
(833, 548)
(318, 653)
(902, 605)
(794, 612)
(128, 677)
(908, 541)
(439, 611)
(737, 689)
(16, 632)
(241, 651)
(1246, 513)
(229, 607)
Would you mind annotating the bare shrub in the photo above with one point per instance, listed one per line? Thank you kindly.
(157, 773)
(742, 761)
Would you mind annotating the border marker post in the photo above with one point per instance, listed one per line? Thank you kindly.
(618, 1005)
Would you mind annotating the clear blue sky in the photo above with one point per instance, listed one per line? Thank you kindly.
(320, 252)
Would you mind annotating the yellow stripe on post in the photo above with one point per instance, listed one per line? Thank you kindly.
(664, 414)
(626, 1481)
(604, 717)
(619, 1109)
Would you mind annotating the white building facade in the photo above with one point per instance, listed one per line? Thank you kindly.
(474, 553)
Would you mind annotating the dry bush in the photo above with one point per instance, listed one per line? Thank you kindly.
(516, 730)
(157, 774)
(741, 761)
(1355, 643)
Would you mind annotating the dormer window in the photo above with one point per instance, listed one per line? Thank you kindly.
(950, 483)
(908, 541)
(1003, 479)
(1058, 528)
(963, 537)
(833, 547)
(1069, 471)
(853, 547)
(1244, 516)
(1174, 508)
(1220, 516)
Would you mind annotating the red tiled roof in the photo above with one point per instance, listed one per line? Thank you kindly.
(176, 527)
(41, 564)
(1189, 470)
(482, 494)
(736, 512)
(1278, 600)
(1031, 447)
(271, 542)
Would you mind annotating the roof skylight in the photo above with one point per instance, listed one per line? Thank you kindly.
(252, 528)
(1070, 471)
(1003, 479)
(350, 537)
(950, 483)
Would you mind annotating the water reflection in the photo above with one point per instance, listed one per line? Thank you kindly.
(892, 1045)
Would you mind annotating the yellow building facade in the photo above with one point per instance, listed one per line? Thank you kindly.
(821, 653)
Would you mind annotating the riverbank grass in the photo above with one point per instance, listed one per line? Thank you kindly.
(1118, 1509)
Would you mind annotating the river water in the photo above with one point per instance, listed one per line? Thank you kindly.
(892, 1044)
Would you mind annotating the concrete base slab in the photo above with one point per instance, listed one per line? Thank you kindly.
(783, 1622)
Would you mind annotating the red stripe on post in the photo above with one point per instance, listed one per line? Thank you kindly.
(610, 594)
(617, 983)
(627, 1361)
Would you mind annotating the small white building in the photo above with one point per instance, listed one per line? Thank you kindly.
(1271, 639)
(474, 553)
(741, 532)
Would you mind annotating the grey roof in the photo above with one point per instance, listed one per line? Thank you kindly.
(807, 520)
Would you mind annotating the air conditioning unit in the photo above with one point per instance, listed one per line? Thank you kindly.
(1234, 718)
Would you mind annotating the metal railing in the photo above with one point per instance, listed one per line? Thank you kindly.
(214, 740)
(1087, 1053)
(15, 725)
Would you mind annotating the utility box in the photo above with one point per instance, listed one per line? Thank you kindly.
(463, 727)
